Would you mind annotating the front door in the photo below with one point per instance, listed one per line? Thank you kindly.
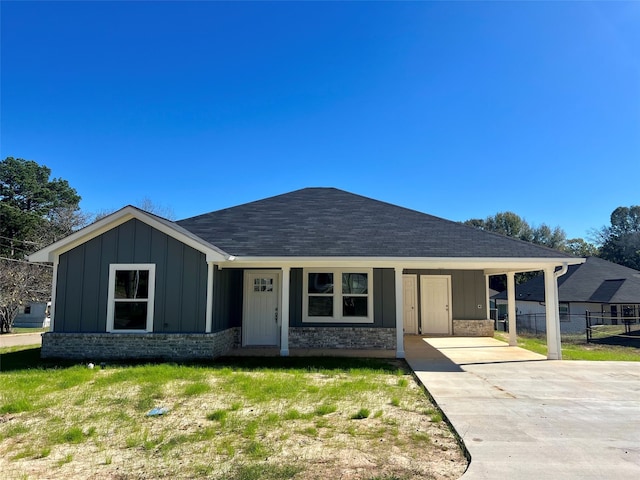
(260, 318)
(409, 295)
(435, 300)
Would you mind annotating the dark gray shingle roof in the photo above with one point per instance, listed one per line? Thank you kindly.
(321, 222)
(596, 280)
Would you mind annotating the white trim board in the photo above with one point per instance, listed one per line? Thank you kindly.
(150, 300)
(337, 295)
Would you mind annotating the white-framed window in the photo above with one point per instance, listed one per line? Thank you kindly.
(337, 295)
(131, 296)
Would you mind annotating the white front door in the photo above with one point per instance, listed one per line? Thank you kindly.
(261, 312)
(435, 299)
(409, 295)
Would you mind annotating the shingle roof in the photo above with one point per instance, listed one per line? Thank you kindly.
(321, 222)
(596, 280)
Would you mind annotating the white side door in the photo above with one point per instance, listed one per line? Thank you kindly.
(435, 299)
(409, 295)
(261, 312)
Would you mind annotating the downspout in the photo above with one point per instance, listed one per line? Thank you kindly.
(562, 271)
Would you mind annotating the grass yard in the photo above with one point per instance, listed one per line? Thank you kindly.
(575, 347)
(235, 419)
(28, 330)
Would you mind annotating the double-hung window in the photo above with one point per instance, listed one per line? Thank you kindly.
(338, 295)
(131, 296)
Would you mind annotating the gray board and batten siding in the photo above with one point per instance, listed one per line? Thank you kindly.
(467, 292)
(180, 296)
(384, 301)
(228, 288)
(83, 277)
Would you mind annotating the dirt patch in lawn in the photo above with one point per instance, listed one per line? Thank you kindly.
(230, 424)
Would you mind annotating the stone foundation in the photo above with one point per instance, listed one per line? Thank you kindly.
(473, 328)
(138, 346)
(342, 337)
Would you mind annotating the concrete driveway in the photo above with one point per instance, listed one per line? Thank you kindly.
(18, 339)
(524, 417)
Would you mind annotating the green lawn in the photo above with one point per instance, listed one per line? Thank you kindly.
(28, 330)
(232, 419)
(576, 348)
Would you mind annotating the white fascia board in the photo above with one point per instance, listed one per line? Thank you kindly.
(47, 254)
(518, 268)
(489, 265)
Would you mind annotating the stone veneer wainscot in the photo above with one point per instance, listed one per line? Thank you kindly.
(473, 328)
(124, 346)
(343, 337)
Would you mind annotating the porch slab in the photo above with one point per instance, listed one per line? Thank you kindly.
(522, 416)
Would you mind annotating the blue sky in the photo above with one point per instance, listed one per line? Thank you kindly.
(458, 109)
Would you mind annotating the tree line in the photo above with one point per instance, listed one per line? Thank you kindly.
(37, 210)
(618, 242)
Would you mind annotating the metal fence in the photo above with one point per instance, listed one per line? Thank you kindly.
(536, 324)
(597, 327)
(612, 330)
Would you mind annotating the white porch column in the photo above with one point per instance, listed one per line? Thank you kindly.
(487, 297)
(209, 320)
(554, 347)
(511, 308)
(54, 291)
(399, 313)
(284, 323)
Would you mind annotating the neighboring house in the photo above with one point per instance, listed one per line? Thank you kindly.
(610, 292)
(33, 315)
(317, 268)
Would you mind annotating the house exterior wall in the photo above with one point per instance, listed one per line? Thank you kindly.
(83, 277)
(180, 301)
(468, 292)
(228, 287)
(384, 302)
(228, 295)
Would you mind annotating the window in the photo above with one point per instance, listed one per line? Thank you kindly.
(131, 295)
(263, 284)
(564, 312)
(628, 314)
(338, 295)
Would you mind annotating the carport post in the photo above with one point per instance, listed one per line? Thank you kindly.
(554, 347)
(399, 313)
(284, 312)
(511, 308)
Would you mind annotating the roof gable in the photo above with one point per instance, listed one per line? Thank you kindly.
(327, 222)
(119, 217)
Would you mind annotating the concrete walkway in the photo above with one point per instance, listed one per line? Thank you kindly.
(524, 417)
(18, 339)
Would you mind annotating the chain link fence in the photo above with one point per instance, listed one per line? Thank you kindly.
(596, 327)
